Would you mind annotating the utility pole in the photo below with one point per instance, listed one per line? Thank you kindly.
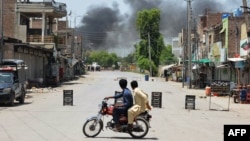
(245, 12)
(149, 55)
(189, 43)
(2, 38)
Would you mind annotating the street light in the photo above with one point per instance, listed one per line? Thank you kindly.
(77, 16)
(75, 39)
(81, 36)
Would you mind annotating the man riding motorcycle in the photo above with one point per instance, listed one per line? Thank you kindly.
(122, 108)
(140, 106)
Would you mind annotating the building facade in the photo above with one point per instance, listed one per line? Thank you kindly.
(33, 32)
(218, 39)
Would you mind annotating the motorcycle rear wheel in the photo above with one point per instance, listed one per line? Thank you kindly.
(140, 128)
(92, 128)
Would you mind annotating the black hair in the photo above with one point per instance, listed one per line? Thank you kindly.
(134, 84)
(123, 83)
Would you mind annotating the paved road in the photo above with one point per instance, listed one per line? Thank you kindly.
(44, 118)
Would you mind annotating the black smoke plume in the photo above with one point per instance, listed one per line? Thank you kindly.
(106, 28)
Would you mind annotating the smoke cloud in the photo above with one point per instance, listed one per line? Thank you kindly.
(106, 28)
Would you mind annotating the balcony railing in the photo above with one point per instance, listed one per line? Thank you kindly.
(61, 41)
(38, 39)
(47, 39)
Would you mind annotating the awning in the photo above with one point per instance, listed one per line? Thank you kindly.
(236, 59)
(204, 60)
(222, 66)
(195, 67)
(72, 62)
(167, 67)
(49, 46)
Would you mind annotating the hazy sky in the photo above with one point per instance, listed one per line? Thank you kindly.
(80, 7)
(110, 24)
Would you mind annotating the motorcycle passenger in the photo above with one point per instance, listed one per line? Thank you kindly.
(122, 108)
(141, 104)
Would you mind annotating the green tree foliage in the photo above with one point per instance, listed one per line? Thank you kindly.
(130, 59)
(148, 25)
(103, 58)
(167, 57)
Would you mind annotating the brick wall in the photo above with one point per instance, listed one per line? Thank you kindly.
(8, 51)
(62, 25)
(9, 18)
(36, 24)
(233, 40)
(213, 19)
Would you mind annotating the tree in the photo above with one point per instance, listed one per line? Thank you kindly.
(103, 58)
(167, 57)
(148, 25)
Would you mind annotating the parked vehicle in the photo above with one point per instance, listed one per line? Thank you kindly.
(95, 67)
(94, 125)
(13, 81)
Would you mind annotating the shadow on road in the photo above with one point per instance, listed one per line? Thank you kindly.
(128, 138)
(16, 104)
(71, 83)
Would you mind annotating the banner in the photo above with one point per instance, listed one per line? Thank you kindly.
(225, 29)
(244, 44)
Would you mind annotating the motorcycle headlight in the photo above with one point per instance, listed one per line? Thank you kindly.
(7, 90)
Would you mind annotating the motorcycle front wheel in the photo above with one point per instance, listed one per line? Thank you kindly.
(92, 128)
(140, 128)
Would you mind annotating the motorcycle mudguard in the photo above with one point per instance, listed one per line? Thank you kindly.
(94, 118)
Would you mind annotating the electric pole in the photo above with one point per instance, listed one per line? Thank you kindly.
(245, 12)
(2, 38)
(189, 19)
(149, 55)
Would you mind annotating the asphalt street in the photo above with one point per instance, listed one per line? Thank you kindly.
(43, 117)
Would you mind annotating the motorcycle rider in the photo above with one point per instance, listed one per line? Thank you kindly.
(141, 104)
(122, 108)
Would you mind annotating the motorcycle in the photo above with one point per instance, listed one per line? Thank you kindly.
(94, 125)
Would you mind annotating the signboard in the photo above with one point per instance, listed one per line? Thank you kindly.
(220, 86)
(67, 97)
(190, 102)
(156, 99)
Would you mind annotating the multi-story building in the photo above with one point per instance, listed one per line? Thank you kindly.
(222, 41)
(219, 38)
(33, 32)
(177, 49)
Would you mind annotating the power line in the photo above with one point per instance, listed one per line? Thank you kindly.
(97, 35)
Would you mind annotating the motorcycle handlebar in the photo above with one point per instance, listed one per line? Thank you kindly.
(105, 100)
